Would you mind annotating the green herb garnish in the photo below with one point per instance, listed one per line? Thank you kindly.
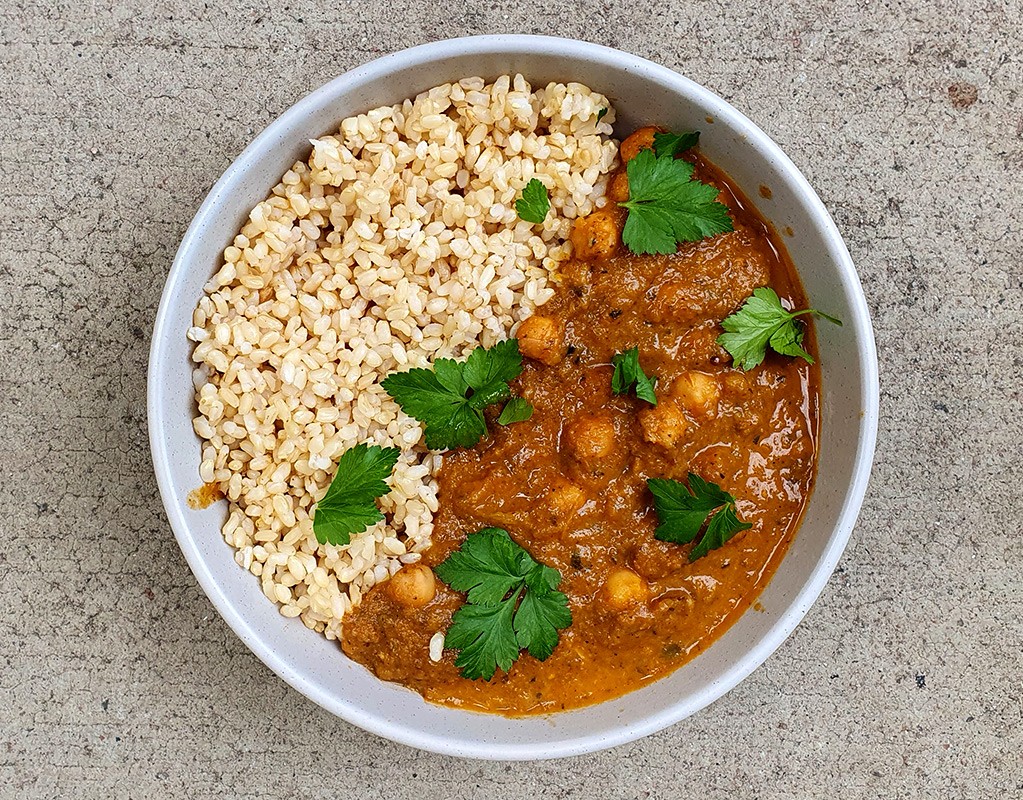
(629, 376)
(449, 399)
(518, 409)
(683, 510)
(666, 206)
(601, 113)
(512, 604)
(534, 203)
(763, 321)
(674, 144)
(349, 506)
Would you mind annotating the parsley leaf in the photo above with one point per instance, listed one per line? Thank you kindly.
(674, 144)
(449, 399)
(512, 604)
(538, 619)
(485, 639)
(518, 409)
(723, 526)
(666, 206)
(349, 506)
(448, 419)
(629, 374)
(486, 368)
(601, 113)
(534, 203)
(487, 566)
(683, 510)
(761, 322)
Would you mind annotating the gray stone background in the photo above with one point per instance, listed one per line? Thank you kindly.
(118, 678)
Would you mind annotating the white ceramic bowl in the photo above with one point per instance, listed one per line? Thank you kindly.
(642, 92)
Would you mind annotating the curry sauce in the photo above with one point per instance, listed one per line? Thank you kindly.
(569, 485)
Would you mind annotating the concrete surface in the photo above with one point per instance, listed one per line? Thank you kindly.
(119, 680)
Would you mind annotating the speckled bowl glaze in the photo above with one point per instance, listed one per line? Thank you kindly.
(642, 92)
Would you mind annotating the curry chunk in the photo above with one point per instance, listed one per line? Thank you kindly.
(739, 384)
(716, 463)
(542, 339)
(590, 437)
(596, 235)
(413, 586)
(641, 139)
(624, 589)
(576, 275)
(720, 274)
(664, 424)
(698, 393)
(654, 559)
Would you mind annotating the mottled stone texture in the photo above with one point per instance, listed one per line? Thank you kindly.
(118, 678)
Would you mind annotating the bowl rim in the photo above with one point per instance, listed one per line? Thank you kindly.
(788, 620)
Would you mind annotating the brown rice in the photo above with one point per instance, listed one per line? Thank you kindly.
(395, 243)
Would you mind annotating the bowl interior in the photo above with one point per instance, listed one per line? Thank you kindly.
(642, 93)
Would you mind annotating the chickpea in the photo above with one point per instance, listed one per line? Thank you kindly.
(664, 424)
(413, 586)
(618, 189)
(565, 499)
(641, 139)
(624, 588)
(698, 393)
(595, 236)
(542, 339)
(590, 437)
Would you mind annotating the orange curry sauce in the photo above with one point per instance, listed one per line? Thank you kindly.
(570, 484)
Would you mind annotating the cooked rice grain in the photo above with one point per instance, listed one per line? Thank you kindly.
(396, 243)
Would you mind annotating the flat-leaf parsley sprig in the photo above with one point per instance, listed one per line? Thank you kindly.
(682, 511)
(674, 144)
(629, 376)
(761, 322)
(534, 203)
(666, 206)
(517, 409)
(449, 399)
(512, 604)
(349, 506)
